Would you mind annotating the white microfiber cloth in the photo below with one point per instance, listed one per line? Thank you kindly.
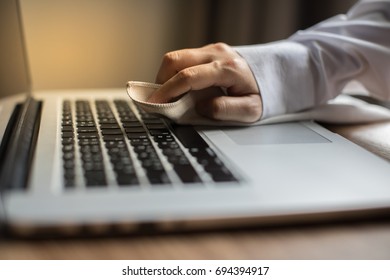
(342, 110)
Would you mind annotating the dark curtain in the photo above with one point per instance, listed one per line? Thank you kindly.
(241, 22)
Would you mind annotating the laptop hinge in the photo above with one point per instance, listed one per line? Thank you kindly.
(18, 145)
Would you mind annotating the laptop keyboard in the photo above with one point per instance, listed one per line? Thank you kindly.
(108, 143)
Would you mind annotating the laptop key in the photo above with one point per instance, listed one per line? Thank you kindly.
(139, 129)
(222, 175)
(85, 123)
(88, 141)
(126, 179)
(157, 177)
(163, 131)
(109, 126)
(89, 135)
(67, 128)
(112, 131)
(87, 129)
(129, 124)
(113, 137)
(137, 135)
(189, 137)
(186, 173)
(107, 121)
(156, 125)
(95, 178)
(67, 134)
(163, 138)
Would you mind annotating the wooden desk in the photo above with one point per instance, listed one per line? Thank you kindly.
(357, 240)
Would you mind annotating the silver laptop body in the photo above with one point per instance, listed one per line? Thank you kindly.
(89, 161)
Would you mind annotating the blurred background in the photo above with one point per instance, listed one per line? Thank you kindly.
(104, 43)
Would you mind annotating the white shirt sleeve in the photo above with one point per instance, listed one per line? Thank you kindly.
(314, 65)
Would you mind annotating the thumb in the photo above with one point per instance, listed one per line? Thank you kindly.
(244, 108)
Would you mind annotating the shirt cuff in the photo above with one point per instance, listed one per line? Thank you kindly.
(283, 74)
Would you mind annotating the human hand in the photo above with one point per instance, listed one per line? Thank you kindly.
(212, 65)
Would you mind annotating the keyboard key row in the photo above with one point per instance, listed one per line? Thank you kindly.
(91, 153)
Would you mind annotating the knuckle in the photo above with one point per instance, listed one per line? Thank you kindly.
(187, 75)
(171, 58)
(228, 65)
(233, 63)
(231, 68)
(222, 47)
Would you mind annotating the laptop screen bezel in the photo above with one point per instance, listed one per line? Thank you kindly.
(15, 77)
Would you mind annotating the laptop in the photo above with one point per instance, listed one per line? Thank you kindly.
(92, 162)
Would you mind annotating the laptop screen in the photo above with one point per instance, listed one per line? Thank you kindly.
(14, 76)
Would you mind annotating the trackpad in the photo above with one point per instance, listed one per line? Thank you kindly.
(285, 133)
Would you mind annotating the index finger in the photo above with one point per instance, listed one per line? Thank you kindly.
(174, 62)
(192, 78)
